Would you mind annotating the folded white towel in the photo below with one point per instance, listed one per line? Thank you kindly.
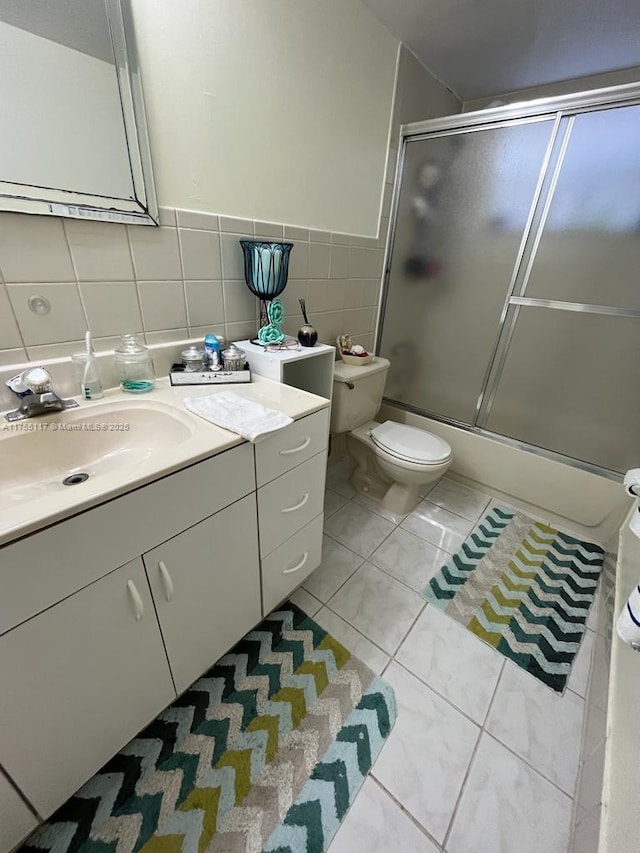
(247, 418)
(628, 624)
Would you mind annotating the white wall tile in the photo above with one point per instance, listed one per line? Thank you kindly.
(33, 248)
(339, 266)
(9, 332)
(319, 258)
(111, 307)
(365, 263)
(200, 254)
(232, 257)
(156, 255)
(236, 226)
(204, 302)
(199, 220)
(240, 331)
(163, 305)
(64, 322)
(12, 356)
(214, 329)
(239, 302)
(319, 236)
(270, 230)
(167, 215)
(299, 261)
(100, 250)
(292, 232)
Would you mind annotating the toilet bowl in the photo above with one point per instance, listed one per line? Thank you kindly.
(392, 460)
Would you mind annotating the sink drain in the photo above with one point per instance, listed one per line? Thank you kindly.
(74, 479)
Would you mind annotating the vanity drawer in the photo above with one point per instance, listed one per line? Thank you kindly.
(288, 566)
(288, 503)
(46, 567)
(292, 445)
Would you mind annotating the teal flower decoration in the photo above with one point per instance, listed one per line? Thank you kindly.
(275, 312)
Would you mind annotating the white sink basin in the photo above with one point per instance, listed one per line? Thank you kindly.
(37, 454)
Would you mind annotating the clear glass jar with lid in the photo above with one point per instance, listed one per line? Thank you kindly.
(134, 365)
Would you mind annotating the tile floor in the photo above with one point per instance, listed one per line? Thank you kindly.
(483, 758)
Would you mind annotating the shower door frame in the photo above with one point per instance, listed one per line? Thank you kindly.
(559, 109)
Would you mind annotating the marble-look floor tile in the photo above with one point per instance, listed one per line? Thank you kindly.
(376, 824)
(377, 507)
(539, 725)
(506, 807)
(332, 502)
(337, 566)
(338, 474)
(425, 759)
(591, 779)
(595, 730)
(452, 661)
(353, 640)
(357, 528)
(464, 501)
(409, 558)
(378, 606)
(302, 599)
(442, 528)
(578, 680)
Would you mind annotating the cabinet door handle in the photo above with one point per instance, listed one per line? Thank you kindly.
(138, 606)
(300, 447)
(167, 583)
(299, 566)
(299, 505)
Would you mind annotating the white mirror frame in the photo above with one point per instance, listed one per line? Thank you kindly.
(142, 209)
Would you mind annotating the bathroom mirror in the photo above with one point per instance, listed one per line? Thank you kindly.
(74, 138)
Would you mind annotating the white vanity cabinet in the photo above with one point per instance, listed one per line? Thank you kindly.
(79, 681)
(206, 587)
(107, 615)
(16, 820)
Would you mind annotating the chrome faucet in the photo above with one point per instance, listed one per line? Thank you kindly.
(41, 399)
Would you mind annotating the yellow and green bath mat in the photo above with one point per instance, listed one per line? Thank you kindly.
(265, 752)
(524, 588)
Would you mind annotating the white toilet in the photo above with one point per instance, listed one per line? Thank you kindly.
(393, 460)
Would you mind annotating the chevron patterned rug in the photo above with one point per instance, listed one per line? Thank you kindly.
(524, 588)
(265, 752)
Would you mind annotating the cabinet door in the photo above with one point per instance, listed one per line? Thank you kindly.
(16, 821)
(78, 682)
(206, 586)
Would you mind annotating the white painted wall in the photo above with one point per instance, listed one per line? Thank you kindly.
(61, 117)
(274, 110)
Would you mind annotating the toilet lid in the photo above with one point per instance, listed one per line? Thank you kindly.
(410, 443)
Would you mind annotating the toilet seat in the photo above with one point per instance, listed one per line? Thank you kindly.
(410, 444)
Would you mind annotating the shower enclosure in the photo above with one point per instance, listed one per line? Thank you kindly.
(512, 296)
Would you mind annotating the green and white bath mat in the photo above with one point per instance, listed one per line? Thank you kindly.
(524, 588)
(265, 752)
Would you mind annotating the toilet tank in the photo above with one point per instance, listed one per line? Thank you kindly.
(353, 406)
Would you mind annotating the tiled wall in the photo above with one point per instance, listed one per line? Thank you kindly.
(170, 283)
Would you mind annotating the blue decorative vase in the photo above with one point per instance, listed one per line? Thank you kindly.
(266, 270)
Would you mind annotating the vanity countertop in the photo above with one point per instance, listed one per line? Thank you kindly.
(118, 454)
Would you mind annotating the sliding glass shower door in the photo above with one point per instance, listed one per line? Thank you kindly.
(464, 205)
(513, 294)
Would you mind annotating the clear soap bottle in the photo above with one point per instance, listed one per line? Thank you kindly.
(135, 366)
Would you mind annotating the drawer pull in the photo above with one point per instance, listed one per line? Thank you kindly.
(138, 606)
(299, 566)
(167, 583)
(298, 449)
(297, 506)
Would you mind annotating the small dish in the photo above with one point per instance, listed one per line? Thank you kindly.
(358, 360)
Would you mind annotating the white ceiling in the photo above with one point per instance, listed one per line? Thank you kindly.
(480, 48)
